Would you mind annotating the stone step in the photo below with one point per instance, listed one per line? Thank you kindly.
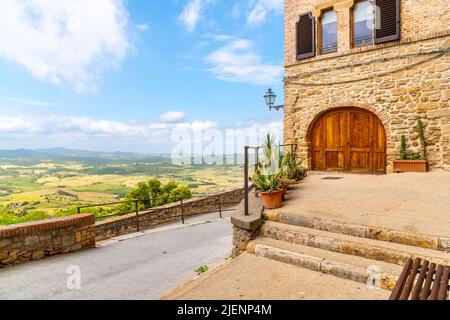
(436, 242)
(375, 274)
(389, 252)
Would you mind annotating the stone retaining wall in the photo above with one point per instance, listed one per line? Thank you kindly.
(36, 240)
(172, 212)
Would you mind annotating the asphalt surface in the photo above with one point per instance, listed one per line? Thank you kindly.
(138, 266)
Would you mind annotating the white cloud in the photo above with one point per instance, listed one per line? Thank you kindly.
(44, 131)
(64, 42)
(172, 117)
(142, 27)
(192, 13)
(238, 62)
(261, 8)
(29, 102)
(90, 127)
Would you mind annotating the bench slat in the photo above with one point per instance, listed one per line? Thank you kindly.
(420, 280)
(436, 283)
(426, 288)
(410, 282)
(443, 288)
(395, 295)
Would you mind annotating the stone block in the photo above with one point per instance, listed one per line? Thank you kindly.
(297, 220)
(5, 243)
(343, 270)
(444, 244)
(3, 255)
(31, 240)
(38, 255)
(324, 243)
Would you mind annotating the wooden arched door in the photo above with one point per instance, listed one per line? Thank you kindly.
(348, 139)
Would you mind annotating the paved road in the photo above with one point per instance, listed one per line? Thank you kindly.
(138, 266)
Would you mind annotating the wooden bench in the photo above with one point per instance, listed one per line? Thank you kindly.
(432, 283)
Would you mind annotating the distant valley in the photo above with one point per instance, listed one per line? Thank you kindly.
(37, 184)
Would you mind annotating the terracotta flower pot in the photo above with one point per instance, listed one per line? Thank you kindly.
(272, 200)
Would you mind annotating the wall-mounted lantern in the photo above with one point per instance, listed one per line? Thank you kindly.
(270, 97)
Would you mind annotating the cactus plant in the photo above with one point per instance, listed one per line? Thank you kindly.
(422, 140)
(403, 148)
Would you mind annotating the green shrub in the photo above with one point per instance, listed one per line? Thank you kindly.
(7, 218)
(202, 269)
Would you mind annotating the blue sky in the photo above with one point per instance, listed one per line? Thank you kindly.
(121, 75)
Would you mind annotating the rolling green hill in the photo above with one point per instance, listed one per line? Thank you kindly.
(37, 184)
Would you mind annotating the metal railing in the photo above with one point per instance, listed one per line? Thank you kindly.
(293, 148)
(222, 206)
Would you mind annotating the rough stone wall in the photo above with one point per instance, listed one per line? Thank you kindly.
(241, 239)
(37, 240)
(400, 81)
(169, 213)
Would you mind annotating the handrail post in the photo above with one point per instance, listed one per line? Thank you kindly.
(136, 206)
(220, 207)
(78, 210)
(246, 181)
(182, 211)
(256, 159)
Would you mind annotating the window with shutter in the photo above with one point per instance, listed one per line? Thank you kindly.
(306, 40)
(387, 25)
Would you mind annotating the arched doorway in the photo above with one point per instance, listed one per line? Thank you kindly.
(350, 140)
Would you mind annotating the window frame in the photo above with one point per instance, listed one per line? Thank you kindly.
(352, 26)
(320, 32)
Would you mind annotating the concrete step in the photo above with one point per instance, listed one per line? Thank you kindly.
(375, 274)
(389, 252)
(436, 242)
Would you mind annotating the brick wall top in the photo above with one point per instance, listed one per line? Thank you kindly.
(45, 225)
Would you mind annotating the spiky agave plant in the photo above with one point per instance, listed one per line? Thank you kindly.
(267, 183)
(270, 163)
(292, 168)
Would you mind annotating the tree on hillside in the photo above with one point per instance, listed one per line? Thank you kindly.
(154, 194)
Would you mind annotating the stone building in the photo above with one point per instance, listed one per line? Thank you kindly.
(360, 74)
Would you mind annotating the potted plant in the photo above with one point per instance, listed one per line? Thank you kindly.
(292, 169)
(269, 187)
(415, 161)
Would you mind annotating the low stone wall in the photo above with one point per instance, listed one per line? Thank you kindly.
(36, 240)
(246, 228)
(169, 213)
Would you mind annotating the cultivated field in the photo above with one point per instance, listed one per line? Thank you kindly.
(32, 189)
